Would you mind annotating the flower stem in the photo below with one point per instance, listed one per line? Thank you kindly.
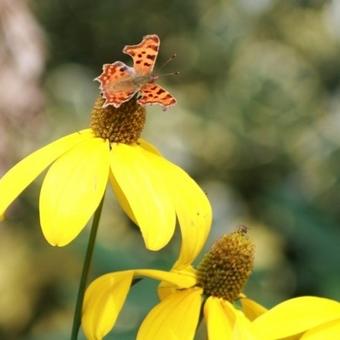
(85, 272)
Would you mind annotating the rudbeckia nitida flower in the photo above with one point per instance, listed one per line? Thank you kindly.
(213, 286)
(150, 189)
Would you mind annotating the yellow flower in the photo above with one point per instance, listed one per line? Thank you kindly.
(305, 318)
(215, 285)
(150, 189)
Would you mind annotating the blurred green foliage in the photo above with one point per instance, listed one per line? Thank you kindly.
(257, 125)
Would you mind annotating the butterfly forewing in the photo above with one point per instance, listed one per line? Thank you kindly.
(152, 93)
(144, 54)
(116, 83)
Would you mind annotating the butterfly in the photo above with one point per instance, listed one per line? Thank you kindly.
(119, 82)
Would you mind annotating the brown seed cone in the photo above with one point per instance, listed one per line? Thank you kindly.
(225, 269)
(118, 125)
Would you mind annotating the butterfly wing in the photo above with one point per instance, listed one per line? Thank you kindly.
(144, 54)
(152, 93)
(116, 83)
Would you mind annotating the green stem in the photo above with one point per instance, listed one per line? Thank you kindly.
(85, 272)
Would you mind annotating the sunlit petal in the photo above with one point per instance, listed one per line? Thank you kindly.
(193, 211)
(251, 308)
(24, 172)
(295, 316)
(329, 330)
(175, 317)
(220, 321)
(142, 181)
(103, 302)
(73, 189)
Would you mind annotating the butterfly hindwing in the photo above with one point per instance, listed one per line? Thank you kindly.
(152, 93)
(116, 83)
(144, 54)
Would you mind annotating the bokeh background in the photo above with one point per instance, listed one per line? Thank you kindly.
(257, 125)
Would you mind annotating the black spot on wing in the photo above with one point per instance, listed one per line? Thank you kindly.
(151, 57)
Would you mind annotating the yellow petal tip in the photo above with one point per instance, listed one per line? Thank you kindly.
(154, 247)
(57, 243)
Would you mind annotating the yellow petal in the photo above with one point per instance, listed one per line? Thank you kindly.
(295, 316)
(242, 327)
(166, 287)
(24, 172)
(73, 189)
(140, 178)
(251, 308)
(220, 322)
(178, 279)
(175, 317)
(329, 330)
(116, 188)
(106, 295)
(121, 198)
(103, 301)
(149, 147)
(193, 211)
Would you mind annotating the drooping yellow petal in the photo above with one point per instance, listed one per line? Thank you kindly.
(220, 322)
(193, 211)
(106, 295)
(192, 207)
(24, 172)
(166, 287)
(103, 301)
(329, 330)
(121, 198)
(140, 178)
(295, 316)
(73, 189)
(251, 308)
(175, 317)
(179, 280)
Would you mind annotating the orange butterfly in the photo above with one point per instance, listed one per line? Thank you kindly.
(119, 82)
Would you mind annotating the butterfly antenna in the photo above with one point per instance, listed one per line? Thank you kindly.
(168, 61)
(168, 74)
